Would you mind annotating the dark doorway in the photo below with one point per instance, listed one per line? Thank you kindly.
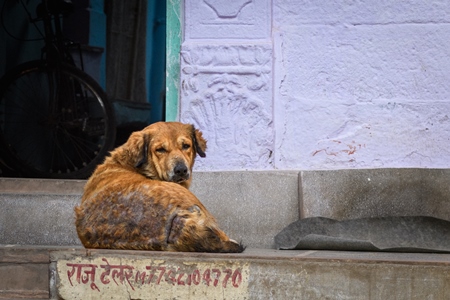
(123, 45)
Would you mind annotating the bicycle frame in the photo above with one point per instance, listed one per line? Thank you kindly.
(56, 47)
(61, 112)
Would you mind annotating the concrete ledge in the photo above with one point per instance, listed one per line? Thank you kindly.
(34, 272)
(250, 206)
(39, 211)
(24, 271)
(350, 194)
(39, 186)
(30, 219)
(254, 274)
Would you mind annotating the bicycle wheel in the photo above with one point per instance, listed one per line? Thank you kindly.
(55, 122)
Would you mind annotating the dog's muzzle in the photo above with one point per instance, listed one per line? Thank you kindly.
(180, 173)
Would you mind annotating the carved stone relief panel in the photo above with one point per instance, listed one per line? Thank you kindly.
(219, 19)
(226, 92)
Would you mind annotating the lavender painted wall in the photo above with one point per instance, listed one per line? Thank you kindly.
(318, 84)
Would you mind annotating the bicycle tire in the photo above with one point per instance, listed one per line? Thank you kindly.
(55, 121)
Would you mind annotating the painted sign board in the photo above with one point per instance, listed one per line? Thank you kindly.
(254, 274)
(81, 277)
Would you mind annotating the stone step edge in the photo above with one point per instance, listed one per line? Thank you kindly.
(20, 254)
(39, 186)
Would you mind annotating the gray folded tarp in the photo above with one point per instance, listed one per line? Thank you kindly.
(397, 234)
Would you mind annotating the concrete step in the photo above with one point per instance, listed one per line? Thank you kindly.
(35, 272)
(364, 193)
(41, 256)
(39, 211)
(250, 206)
(25, 271)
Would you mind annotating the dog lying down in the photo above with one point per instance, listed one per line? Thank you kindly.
(139, 199)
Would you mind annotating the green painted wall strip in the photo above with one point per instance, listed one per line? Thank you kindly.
(173, 44)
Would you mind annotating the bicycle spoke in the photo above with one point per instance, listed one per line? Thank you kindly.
(54, 123)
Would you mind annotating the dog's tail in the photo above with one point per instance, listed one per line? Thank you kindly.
(233, 247)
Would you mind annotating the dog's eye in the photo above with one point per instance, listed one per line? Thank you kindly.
(161, 150)
(186, 146)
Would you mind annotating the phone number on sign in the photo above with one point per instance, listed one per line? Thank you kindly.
(127, 274)
(208, 277)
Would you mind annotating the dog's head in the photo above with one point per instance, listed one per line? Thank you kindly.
(163, 151)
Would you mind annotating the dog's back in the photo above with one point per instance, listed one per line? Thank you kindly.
(123, 209)
(132, 212)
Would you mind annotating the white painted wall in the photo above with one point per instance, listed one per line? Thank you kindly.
(318, 84)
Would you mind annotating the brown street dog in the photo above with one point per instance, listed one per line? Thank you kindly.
(139, 199)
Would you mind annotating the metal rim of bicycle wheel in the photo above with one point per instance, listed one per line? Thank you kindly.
(55, 122)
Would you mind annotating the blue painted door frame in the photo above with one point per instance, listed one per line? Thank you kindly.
(155, 49)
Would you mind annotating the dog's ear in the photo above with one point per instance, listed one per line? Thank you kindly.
(142, 151)
(198, 141)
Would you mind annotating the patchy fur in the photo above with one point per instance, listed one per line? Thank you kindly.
(138, 198)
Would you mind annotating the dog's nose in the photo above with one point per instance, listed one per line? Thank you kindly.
(180, 170)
